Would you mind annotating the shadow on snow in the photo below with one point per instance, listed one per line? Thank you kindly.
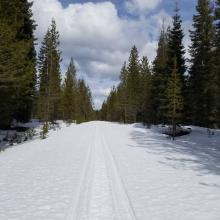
(195, 151)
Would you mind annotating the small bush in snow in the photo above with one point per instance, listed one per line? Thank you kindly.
(44, 131)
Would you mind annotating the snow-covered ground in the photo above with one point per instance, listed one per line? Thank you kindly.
(101, 170)
(28, 131)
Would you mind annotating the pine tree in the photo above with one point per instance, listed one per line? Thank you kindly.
(8, 70)
(43, 64)
(49, 99)
(103, 112)
(217, 60)
(85, 110)
(25, 94)
(175, 48)
(174, 97)
(123, 93)
(131, 100)
(17, 61)
(146, 92)
(133, 85)
(159, 80)
(112, 106)
(69, 93)
(201, 83)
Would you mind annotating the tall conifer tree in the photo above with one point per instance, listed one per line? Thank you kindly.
(26, 94)
(69, 93)
(85, 110)
(201, 70)
(174, 97)
(176, 51)
(217, 59)
(159, 79)
(146, 92)
(112, 106)
(49, 99)
(123, 93)
(175, 47)
(17, 61)
(133, 85)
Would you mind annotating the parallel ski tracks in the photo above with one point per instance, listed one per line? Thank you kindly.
(102, 193)
(75, 206)
(125, 209)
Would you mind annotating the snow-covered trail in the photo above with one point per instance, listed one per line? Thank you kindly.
(101, 171)
(39, 179)
(102, 194)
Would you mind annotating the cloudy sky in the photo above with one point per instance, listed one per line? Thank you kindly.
(99, 34)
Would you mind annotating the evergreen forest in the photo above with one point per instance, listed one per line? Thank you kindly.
(170, 90)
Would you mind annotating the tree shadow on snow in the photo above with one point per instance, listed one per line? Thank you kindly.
(195, 151)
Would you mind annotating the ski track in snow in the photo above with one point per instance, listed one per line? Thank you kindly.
(108, 171)
(102, 195)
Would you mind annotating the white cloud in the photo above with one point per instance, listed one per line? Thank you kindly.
(135, 6)
(98, 39)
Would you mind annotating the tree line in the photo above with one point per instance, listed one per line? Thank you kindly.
(31, 86)
(70, 100)
(173, 89)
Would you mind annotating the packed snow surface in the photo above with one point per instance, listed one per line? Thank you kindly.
(101, 170)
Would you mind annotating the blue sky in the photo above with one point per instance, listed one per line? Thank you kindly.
(187, 6)
(99, 34)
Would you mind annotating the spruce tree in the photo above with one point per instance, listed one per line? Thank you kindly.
(103, 112)
(69, 93)
(133, 85)
(43, 64)
(123, 93)
(131, 100)
(115, 108)
(201, 78)
(112, 106)
(217, 60)
(159, 80)
(85, 110)
(25, 94)
(146, 92)
(175, 48)
(174, 97)
(49, 100)
(8, 69)
(17, 61)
